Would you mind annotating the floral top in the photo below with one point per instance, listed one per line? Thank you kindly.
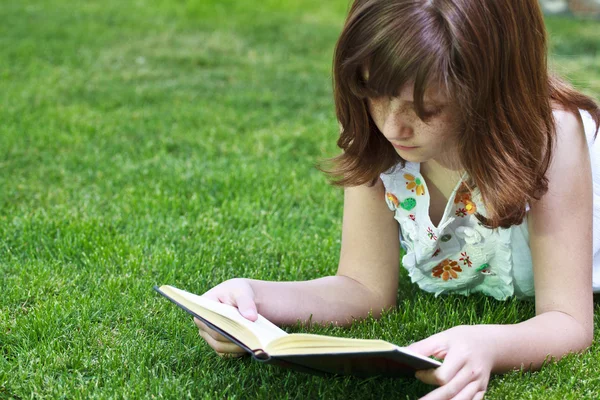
(459, 255)
(462, 256)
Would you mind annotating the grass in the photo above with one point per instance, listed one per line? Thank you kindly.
(149, 142)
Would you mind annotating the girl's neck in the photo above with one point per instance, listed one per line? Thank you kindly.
(441, 180)
(448, 162)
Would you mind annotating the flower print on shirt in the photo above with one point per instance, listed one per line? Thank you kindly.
(465, 259)
(447, 269)
(470, 207)
(461, 212)
(463, 195)
(414, 184)
(392, 200)
(430, 234)
(485, 269)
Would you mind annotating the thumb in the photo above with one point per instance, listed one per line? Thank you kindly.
(432, 346)
(246, 306)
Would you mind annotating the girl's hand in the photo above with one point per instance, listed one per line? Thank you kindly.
(237, 293)
(468, 362)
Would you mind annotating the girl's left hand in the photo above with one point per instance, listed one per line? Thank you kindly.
(468, 361)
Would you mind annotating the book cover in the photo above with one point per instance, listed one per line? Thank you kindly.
(315, 354)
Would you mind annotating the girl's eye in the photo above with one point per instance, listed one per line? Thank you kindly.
(432, 112)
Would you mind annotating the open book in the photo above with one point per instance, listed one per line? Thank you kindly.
(305, 352)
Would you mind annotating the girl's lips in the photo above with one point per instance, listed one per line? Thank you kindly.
(404, 147)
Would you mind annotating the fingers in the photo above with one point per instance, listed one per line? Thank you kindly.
(216, 335)
(222, 347)
(246, 306)
(479, 395)
(239, 294)
(435, 345)
(244, 302)
(468, 392)
(442, 375)
(218, 342)
(465, 384)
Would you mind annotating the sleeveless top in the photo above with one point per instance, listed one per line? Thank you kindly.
(459, 255)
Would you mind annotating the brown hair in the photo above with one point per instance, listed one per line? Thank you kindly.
(490, 56)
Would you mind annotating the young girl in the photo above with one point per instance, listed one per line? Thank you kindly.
(458, 141)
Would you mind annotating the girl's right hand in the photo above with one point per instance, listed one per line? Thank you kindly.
(235, 292)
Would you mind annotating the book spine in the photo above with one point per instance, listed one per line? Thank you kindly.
(261, 355)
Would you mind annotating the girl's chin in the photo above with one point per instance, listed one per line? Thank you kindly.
(411, 156)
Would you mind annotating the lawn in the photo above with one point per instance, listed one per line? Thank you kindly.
(153, 141)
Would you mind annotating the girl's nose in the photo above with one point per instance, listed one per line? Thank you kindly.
(404, 131)
(398, 127)
(398, 122)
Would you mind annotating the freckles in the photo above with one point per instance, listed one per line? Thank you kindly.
(444, 127)
(374, 108)
(380, 106)
(380, 112)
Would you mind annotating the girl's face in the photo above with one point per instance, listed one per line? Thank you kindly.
(414, 139)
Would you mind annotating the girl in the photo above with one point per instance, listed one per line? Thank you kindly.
(458, 141)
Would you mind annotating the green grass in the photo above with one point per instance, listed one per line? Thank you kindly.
(149, 142)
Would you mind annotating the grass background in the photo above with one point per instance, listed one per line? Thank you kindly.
(153, 141)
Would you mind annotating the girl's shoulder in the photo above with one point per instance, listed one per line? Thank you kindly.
(571, 155)
(566, 119)
(576, 127)
(574, 134)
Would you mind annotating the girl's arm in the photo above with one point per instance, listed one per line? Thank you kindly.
(367, 276)
(366, 280)
(560, 229)
(560, 225)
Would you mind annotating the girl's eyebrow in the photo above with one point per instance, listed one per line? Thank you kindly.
(426, 102)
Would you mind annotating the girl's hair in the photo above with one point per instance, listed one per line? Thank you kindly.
(489, 57)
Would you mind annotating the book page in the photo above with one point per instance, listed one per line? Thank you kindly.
(302, 343)
(263, 329)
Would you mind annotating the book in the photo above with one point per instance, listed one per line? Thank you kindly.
(316, 354)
